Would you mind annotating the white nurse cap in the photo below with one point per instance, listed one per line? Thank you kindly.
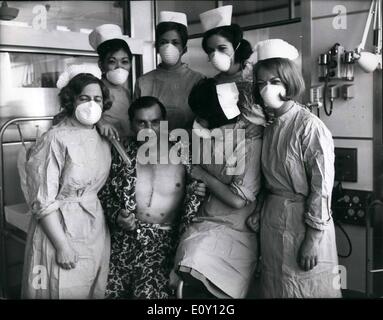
(105, 32)
(75, 69)
(215, 18)
(171, 16)
(275, 48)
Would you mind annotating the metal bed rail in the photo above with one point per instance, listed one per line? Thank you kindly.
(4, 231)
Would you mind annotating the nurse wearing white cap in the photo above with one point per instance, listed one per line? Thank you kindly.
(68, 237)
(224, 44)
(217, 254)
(115, 60)
(228, 52)
(172, 80)
(299, 255)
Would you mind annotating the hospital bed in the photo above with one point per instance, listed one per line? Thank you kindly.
(14, 217)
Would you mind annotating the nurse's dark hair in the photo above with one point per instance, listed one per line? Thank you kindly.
(112, 46)
(287, 72)
(144, 103)
(75, 86)
(164, 27)
(233, 34)
(204, 103)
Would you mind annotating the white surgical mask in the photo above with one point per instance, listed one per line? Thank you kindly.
(88, 113)
(117, 76)
(271, 94)
(169, 54)
(220, 61)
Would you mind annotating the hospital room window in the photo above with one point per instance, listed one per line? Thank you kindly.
(28, 86)
(253, 13)
(38, 70)
(192, 8)
(74, 16)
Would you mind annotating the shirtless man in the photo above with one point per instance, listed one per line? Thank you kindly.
(143, 203)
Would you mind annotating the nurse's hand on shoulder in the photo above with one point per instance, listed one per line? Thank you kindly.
(66, 256)
(126, 220)
(308, 252)
(108, 130)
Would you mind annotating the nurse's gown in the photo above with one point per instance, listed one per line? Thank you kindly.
(172, 88)
(219, 249)
(67, 167)
(118, 114)
(298, 166)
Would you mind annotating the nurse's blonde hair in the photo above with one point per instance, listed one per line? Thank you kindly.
(287, 71)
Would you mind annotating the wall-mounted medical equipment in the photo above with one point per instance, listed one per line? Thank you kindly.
(8, 13)
(347, 91)
(316, 96)
(370, 61)
(348, 64)
(335, 64)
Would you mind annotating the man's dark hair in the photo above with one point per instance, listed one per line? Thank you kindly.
(143, 103)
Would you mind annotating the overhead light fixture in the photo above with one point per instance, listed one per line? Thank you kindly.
(369, 61)
(7, 13)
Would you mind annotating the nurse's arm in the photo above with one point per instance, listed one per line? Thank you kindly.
(247, 178)
(308, 252)
(107, 129)
(44, 170)
(318, 156)
(220, 190)
(318, 151)
(66, 256)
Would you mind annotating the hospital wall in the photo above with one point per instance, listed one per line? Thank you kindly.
(351, 119)
(351, 122)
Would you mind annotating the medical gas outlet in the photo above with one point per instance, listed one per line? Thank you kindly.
(337, 64)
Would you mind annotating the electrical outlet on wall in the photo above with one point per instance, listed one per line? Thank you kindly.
(346, 164)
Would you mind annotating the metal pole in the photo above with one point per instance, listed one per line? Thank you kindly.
(292, 9)
(3, 252)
